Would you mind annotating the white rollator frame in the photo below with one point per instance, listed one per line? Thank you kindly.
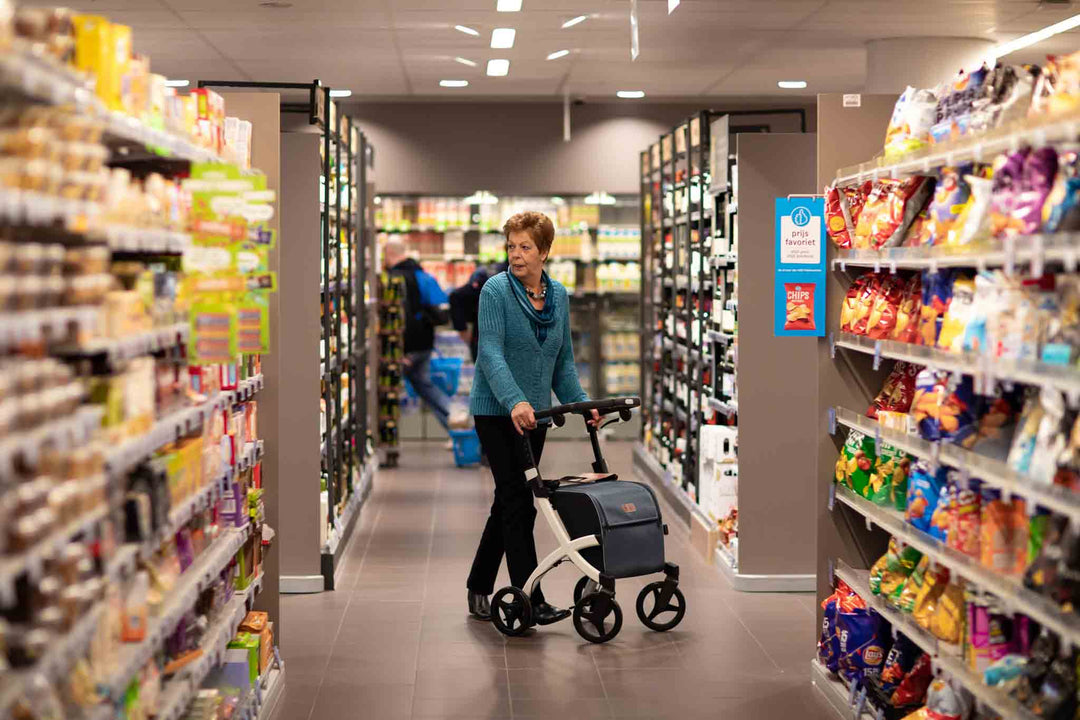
(597, 616)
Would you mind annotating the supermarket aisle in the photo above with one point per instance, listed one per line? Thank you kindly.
(394, 641)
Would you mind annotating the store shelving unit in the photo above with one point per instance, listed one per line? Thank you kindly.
(452, 235)
(37, 79)
(708, 186)
(853, 534)
(327, 193)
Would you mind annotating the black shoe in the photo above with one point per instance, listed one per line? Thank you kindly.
(479, 606)
(544, 614)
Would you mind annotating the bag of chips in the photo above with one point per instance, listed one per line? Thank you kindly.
(888, 574)
(909, 127)
(964, 511)
(800, 306)
(1006, 96)
(912, 688)
(943, 408)
(899, 662)
(936, 296)
(862, 643)
(888, 483)
(933, 587)
(890, 210)
(849, 308)
(1003, 536)
(973, 223)
(829, 644)
(956, 319)
(945, 702)
(907, 315)
(924, 495)
(1008, 184)
(886, 308)
(898, 392)
(1040, 169)
(913, 585)
(1062, 338)
(858, 456)
(1027, 430)
(951, 195)
(1058, 86)
(947, 621)
(1064, 194)
(864, 303)
(955, 104)
(842, 208)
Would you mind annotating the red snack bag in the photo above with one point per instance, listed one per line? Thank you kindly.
(864, 304)
(886, 306)
(837, 219)
(876, 201)
(898, 392)
(800, 306)
(913, 687)
(906, 328)
(849, 310)
(897, 204)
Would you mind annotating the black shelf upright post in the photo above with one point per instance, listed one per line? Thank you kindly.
(667, 305)
(362, 280)
(690, 455)
(645, 336)
(345, 130)
(328, 385)
(342, 352)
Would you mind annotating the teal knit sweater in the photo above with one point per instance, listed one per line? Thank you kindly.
(512, 366)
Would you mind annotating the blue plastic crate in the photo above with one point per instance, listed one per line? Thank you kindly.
(466, 447)
(445, 373)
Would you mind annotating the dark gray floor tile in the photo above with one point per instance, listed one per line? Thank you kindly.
(562, 708)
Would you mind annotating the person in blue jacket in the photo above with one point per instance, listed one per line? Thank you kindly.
(425, 308)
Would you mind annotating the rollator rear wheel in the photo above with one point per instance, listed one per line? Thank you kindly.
(598, 617)
(584, 587)
(660, 610)
(511, 611)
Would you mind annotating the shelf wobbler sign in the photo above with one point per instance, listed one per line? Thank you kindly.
(799, 277)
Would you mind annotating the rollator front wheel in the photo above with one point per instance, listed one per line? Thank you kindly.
(511, 611)
(584, 587)
(598, 617)
(661, 606)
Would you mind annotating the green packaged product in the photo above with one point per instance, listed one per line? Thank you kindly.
(913, 586)
(888, 483)
(857, 458)
(889, 573)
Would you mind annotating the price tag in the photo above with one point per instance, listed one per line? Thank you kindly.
(832, 496)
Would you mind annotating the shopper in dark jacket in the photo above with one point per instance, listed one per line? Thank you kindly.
(425, 308)
(465, 305)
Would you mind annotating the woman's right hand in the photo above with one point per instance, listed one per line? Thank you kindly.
(524, 418)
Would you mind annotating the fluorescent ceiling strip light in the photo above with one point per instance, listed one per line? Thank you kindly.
(465, 61)
(498, 67)
(177, 83)
(574, 21)
(671, 5)
(454, 83)
(631, 94)
(503, 38)
(508, 6)
(791, 84)
(558, 54)
(467, 30)
(340, 93)
(1005, 48)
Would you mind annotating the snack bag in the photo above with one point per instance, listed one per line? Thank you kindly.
(973, 223)
(964, 511)
(960, 312)
(907, 315)
(936, 296)
(849, 311)
(913, 585)
(1002, 533)
(898, 392)
(829, 644)
(862, 650)
(979, 334)
(864, 304)
(1040, 169)
(889, 481)
(859, 456)
(1006, 96)
(1007, 186)
(996, 425)
(951, 196)
(933, 587)
(842, 208)
(909, 127)
(899, 662)
(912, 688)
(903, 201)
(888, 574)
(1062, 332)
(1058, 211)
(955, 104)
(942, 407)
(924, 495)
(944, 702)
(886, 307)
(800, 306)
(947, 621)
(1027, 430)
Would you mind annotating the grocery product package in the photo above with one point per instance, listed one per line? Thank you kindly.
(1061, 339)
(843, 205)
(888, 574)
(962, 533)
(889, 481)
(1060, 211)
(891, 208)
(955, 102)
(1006, 96)
(885, 308)
(943, 407)
(842, 599)
(1003, 533)
(856, 462)
(864, 640)
(906, 328)
(898, 392)
(909, 127)
(951, 196)
(959, 314)
(936, 296)
(1058, 87)
(851, 307)
(928, 500)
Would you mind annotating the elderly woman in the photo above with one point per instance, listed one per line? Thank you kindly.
(524, 353)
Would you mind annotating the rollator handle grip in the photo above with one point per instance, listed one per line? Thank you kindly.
(607, 406)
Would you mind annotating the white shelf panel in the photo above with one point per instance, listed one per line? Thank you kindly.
(837, 693)
(1031, 251)
(133, 346)
(946, 657)
(1035, 132)
(990, 471)
(1010, 590)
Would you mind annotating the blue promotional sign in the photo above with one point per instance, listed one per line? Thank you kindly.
(799, 278)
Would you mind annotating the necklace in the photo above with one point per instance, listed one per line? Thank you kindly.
(538, 295)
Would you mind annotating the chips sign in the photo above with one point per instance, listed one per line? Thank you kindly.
(799, 277)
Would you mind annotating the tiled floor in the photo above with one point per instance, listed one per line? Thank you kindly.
(393, 642)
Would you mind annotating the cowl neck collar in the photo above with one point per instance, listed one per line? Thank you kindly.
(541, 319)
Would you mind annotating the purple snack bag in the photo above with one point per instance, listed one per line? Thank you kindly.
(1008, 183)
(1040, 169)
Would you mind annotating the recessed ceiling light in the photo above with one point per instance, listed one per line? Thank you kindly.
(465, 61)
(574, 21)
(340, 93)
(177, 83)
(508, 5)
(498, 67)
(454, 83)
(792, 84)
(467, 30)
(503, 38)
(631, 94)
(1030, 39)
(558, 54)
(671, 5)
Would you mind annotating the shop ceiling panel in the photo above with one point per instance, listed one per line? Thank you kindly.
(162, 44)
(303, 45)
(823, 70)
(301, 16)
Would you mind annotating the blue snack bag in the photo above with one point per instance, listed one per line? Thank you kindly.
(829, 644)
(862, 649)
(924, 496)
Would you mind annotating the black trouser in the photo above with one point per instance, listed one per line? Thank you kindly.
(509, 528)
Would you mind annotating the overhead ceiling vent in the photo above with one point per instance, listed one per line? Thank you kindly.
(275, 4)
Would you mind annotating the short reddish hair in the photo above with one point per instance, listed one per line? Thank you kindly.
(538, 225)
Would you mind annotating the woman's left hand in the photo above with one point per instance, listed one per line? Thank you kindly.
(595, 422)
